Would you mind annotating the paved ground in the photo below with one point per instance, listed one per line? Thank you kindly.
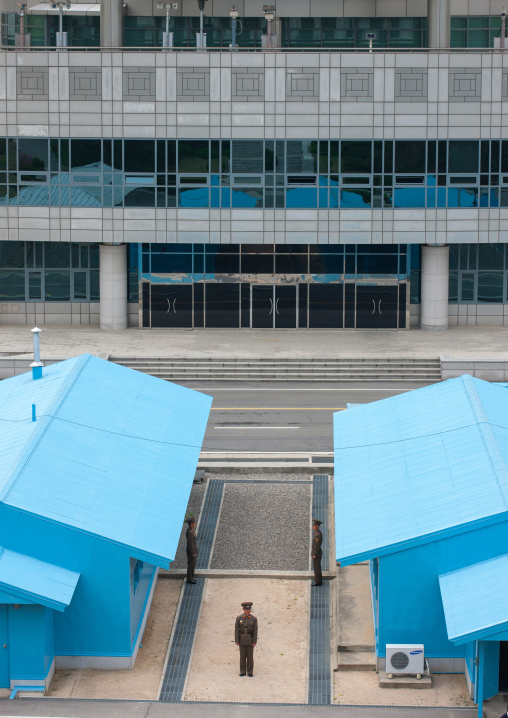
(61, 342)
(281, 653)
(270, 418)
(76, 709)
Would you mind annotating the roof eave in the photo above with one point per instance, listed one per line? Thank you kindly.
(35, 597)
(421, 540)
(479, 635)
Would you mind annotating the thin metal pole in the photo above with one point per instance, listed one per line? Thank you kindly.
(269, 33)
(61, 19)
(22, 26)
(503, 30)
(201, 22)
(233, 33)
(167, 19)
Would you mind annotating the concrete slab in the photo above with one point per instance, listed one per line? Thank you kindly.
(65, 341)
(398, 682)
(356, 661)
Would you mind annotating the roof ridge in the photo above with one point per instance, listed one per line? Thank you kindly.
(45, 423)
(498, 464)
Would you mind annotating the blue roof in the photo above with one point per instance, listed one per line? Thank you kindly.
(415, 465)
(36, 581)
(113, 451)
(473, 600)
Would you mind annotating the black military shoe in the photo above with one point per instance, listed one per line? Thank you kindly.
(242, 675)
(193, 581)
(316, 584)
(251, 675)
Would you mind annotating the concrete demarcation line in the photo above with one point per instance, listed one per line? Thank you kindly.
(247, 573)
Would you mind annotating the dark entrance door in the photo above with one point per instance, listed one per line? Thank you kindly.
(503, 666)
(376, 307)
(171, 305)
(326, 306)
(285, 307)
(262, 307)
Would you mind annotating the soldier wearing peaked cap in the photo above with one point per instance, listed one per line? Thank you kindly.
(316, 552)
(191, 549)
(246, 636)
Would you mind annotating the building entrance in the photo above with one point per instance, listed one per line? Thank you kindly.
(273, 307)
(376, 307)
(171, 305)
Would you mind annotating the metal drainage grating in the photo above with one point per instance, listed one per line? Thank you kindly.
(185, 628)
(320, 681)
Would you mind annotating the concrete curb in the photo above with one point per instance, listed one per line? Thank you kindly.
(247, 573)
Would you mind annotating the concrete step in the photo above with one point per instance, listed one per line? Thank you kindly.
(357, 661)
(404, 681)
(255, 369)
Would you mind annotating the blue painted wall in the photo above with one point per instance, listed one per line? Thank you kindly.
(31, 648)
(4, 652)
(98, 620)
(410, 606)
(142, 576)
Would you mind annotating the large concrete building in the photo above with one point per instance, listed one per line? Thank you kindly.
(296, 180)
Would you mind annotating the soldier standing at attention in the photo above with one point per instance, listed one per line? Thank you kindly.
(191, 549)
(316, 552)
(246, 636)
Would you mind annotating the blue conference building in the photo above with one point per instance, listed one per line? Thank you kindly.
(97, 462)
(421, 492)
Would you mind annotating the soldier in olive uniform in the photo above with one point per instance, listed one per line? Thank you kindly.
(191, 549)
(246, 636)
(316, 552)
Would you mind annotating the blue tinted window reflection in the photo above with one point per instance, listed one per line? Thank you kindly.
(462, 197)
(355, 199)
(409, 197)
(198, 197)
(251, 197)
(299, 197)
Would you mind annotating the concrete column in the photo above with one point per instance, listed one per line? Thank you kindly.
(438, 14)
(434, 286)
(111, 23)
(113, 286)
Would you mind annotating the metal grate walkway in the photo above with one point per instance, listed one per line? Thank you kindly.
(320, 683)
(185, 628)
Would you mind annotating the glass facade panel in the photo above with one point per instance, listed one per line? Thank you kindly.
(57, 285)
(12, 285)
(296, 174)
(490, 287)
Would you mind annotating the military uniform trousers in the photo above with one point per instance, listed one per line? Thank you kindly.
(246, 659)
(316, 564)
(191, 566)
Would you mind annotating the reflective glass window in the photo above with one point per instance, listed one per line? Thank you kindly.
(12, 255)
(355, 198)
(57, 255)
(257, 263)
(453, 284)
(35, 285)
(291, 264)
(139, 197)
(86, 155)
(301, 197)
(463, 197)
(490, 287)
(222, 305)
(139, 155)
(222, 263)
(12, 285)
(193, 156)
(356, 156)
(410, 156)
(247, 197)
(33, 154)
(301, 156)
(79, 291)
(463, 156)
(409, 197)
(490, 256)
(57, 285)
(467, 287)
(247, 156)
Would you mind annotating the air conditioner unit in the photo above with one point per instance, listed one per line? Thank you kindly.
(404, 658)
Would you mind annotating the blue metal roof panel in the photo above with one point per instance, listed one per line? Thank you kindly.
(417, 464)
(17, 395)
(36, 580)
(473, 603)
(118, 458)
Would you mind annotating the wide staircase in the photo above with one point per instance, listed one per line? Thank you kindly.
(285, 369)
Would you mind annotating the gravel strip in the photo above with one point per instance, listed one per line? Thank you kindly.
(193, 507)
(264, 527)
